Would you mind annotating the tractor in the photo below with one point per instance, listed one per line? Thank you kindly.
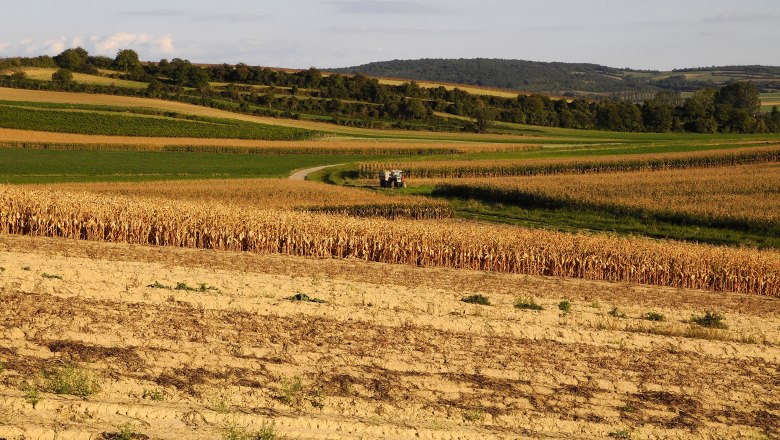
(392, 179)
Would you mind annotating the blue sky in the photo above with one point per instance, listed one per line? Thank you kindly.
(657, 34)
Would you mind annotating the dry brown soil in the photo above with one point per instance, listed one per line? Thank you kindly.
(393, 354)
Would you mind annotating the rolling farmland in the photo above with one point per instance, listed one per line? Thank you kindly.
(167, 280)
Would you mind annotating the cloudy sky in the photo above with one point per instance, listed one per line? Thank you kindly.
(657, 34)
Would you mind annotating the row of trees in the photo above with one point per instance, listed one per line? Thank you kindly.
(733, 108)
(360, 100)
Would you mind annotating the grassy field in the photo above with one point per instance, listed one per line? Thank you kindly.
(38, 166)
(474, 90)
(189, 109)
(769, 100)
(103, 120)
(44, 74)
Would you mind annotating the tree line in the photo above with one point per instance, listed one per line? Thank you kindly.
(362, 101)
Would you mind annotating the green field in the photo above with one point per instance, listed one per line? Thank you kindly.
(44, 74)
(48, 166)
(103, 120)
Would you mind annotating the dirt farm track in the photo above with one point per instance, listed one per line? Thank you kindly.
(389, 355)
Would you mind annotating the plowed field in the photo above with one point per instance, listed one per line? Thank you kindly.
(392, 353)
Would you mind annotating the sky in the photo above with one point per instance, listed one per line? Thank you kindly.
(640, 34)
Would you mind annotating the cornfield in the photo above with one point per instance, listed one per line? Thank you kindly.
(598, 164)
(277, 194)
(729, 195)
(443, 243)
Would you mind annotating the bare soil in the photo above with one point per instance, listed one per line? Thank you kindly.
(393, 353)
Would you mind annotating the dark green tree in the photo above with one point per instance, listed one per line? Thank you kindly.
(698, 112)
(100, 62)
(72, 59)
(736, 105)
(62, 77)
(127, 60)
(657, 114)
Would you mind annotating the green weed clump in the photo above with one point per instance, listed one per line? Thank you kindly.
(32, 394)
(305, 298)
(616, 313)
(293, 393)
(124, 432)
(70, 379)
(153, 394)
(526, 304)
(266, 432)
(564, 306)
(477, 299)
(653, 316)
(710, 320)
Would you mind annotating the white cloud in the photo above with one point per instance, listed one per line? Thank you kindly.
(122, 40)
(148, 46)
(54, 45)
(165, 44)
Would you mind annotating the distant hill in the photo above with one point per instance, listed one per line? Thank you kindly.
(565, 78)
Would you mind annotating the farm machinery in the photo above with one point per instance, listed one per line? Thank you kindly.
(392, 179)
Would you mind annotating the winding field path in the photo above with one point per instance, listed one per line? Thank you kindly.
(303, 174)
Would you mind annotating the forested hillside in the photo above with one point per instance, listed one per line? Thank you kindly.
(361, 101)
(565, 78)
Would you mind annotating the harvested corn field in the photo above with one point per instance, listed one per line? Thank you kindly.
(389, 352)
(444, 243)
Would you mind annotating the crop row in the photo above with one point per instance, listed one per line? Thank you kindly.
(391, 211)
(444, 243)
(598, 164)
(230, 147)
(119, 124)
(740, 197)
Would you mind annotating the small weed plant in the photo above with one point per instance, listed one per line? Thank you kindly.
(564, 306)
(477, 299)
(70, 379)
(623, 433)
(302, 297)
(710, 320)
(526, 304)
(153, 394)
(51, 277)
(266, 432)
(292, 391)
(202, 287)
(654, 316)
(474, 415)
(32, 393)
(616, 313)
(124, 432)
